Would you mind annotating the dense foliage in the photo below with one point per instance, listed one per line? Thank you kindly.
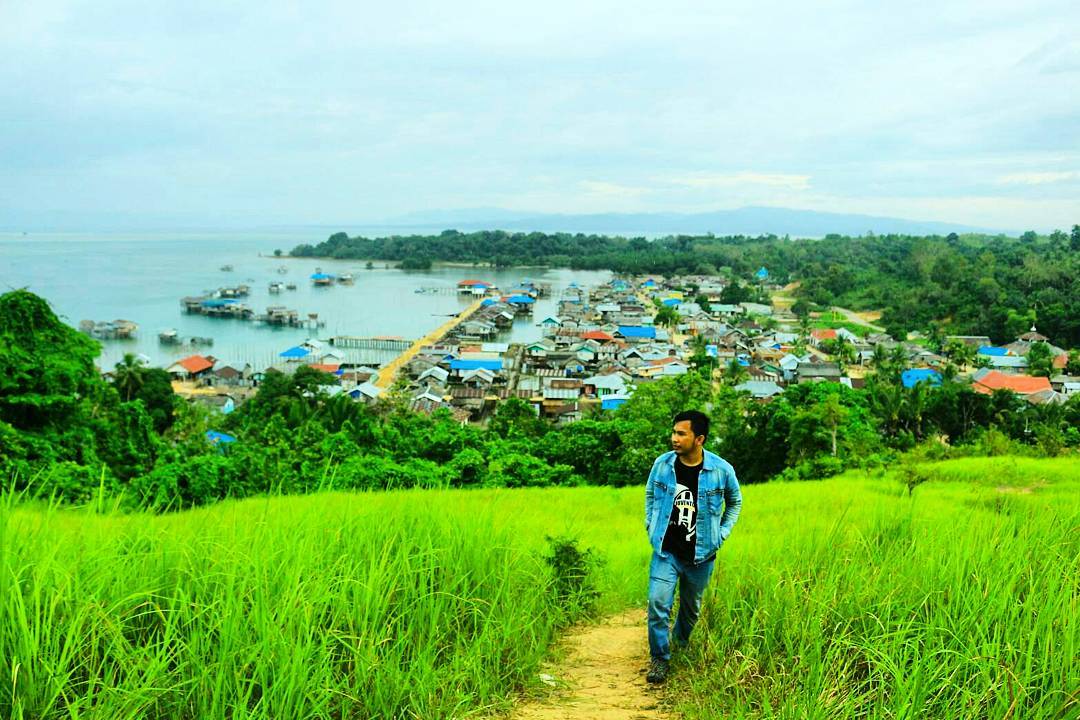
(977, 285)
(66, 431)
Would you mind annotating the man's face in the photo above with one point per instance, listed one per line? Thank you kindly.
(682, 438)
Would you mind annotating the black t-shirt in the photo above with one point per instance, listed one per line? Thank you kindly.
(681, 537)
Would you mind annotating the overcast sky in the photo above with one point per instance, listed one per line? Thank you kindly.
(330, 113)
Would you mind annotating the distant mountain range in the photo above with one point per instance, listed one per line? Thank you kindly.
(743, 221)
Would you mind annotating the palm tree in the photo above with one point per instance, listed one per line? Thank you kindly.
(735, 373)
(128, 376)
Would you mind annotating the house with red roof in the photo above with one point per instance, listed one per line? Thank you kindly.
(1020, 384)
(819, 334)
(598, 335)
(191, 367)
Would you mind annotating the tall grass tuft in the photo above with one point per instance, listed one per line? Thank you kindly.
(860, 602)
(412, 604)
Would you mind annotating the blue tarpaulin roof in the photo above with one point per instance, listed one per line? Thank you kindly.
(649, 283)
(218, 303)
(637, 331)
(672, 302)
(911, 378)
(712, 350)
(321, 276)
(218, 438)
(295, 352)
(520, 299)
(487, 301)
(993, 351)
(611, 403)
(493, 364)
(762, 273)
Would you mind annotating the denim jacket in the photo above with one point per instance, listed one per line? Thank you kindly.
(719, 501)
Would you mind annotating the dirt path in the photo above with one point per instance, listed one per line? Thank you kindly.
(602, 676)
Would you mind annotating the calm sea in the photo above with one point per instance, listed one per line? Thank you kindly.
(143, 277)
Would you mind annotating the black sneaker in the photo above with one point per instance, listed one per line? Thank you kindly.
(658, 671)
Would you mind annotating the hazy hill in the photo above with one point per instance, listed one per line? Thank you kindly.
(744, 221)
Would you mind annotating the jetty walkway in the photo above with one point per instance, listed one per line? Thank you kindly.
(390, 370)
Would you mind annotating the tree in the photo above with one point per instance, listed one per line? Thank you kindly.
(666, 316)
(1040, 360)
(1074, 239)
(735, 373)
(515, 418)
(127, 376)
(46, 367)
(700, 359)
(1072, 367)
(734, 294)
(832, 415)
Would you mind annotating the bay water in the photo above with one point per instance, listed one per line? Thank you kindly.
(142, 277)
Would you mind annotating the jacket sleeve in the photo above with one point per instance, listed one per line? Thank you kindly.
(732, 504)
(649, 491)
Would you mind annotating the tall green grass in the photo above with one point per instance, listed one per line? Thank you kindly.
(845, 598)
(849, 599)
(411, 604)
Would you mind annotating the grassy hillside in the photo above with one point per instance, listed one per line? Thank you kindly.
(842, 598)
(848, 598)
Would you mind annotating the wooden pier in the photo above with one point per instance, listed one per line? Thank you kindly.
(370, 343)
(390, 370)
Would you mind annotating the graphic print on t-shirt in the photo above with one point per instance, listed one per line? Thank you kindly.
(685, 512)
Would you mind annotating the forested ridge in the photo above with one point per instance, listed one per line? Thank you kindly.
(973, 284)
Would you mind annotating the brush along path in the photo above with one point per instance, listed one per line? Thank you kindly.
(603, 674)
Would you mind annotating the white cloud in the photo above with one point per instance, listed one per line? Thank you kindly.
(705, 180)
(611, 190)
(1038, 178)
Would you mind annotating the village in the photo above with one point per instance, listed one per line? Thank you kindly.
(606, 341)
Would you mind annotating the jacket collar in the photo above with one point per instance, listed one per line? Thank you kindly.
(710, 461)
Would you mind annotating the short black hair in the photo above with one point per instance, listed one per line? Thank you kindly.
(699, 421)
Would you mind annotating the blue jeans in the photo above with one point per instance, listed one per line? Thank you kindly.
(664, 570)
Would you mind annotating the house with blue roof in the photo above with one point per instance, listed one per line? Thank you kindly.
(520, 300)
(295, 353)
(613, 402)
(993, 351)
(636, 332)
(912, 377)
(459, 366)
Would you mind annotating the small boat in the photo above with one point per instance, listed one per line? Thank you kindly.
(169, 337)
(282, 270)
(226, 268)
(290, 286)
(345, 279)
(201, 340)
(276, 287)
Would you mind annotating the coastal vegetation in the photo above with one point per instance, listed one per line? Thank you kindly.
(66, 432)
(865, 595)
(972, 284)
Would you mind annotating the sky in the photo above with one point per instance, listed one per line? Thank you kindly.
(210, 113)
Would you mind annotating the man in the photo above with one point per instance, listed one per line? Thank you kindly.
(692, 500)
